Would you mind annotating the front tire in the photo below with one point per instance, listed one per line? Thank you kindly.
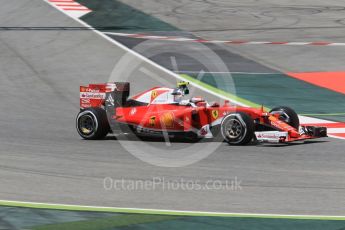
(237, 128)
(287, 115)
(92, 124)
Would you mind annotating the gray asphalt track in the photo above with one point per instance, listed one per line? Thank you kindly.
(262, 20)
(190, 57)
(43, 159)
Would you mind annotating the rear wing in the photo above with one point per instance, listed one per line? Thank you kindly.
(111, 94)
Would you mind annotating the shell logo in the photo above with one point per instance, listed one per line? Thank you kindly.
(167, 120)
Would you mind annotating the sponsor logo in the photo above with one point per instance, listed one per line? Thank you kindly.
(152, 121)
(85, 100)
(85, 105)
(87, 95)
(203, 132)
(167, 120)
(88, 90)
(149, 131)
(271, 135)
(154, 94)
(215, 114)
(133, 111)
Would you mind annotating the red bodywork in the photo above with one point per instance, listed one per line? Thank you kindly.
(181, 118)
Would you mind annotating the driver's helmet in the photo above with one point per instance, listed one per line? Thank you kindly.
(178, 95)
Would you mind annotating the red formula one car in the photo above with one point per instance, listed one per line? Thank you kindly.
(163, 111)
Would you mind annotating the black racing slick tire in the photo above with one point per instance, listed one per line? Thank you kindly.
(287, 115)
(92, 123)
(237, 128)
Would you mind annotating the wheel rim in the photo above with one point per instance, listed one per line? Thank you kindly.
(234, 129)
(86, 124)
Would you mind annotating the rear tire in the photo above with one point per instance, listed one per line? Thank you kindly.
(92, 124)
(287, 115)
(237, 128)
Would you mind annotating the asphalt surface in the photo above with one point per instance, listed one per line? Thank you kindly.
(192, 57)
(42, 158)
(262, 20)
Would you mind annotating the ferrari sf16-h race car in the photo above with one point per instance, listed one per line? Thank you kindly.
(106, 108)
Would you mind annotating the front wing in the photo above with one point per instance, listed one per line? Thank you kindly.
(306, 132)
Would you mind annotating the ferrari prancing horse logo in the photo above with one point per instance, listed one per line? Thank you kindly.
(215, 114)
(152, 121)
(154, 94)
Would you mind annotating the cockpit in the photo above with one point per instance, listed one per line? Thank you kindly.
(163, 95)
